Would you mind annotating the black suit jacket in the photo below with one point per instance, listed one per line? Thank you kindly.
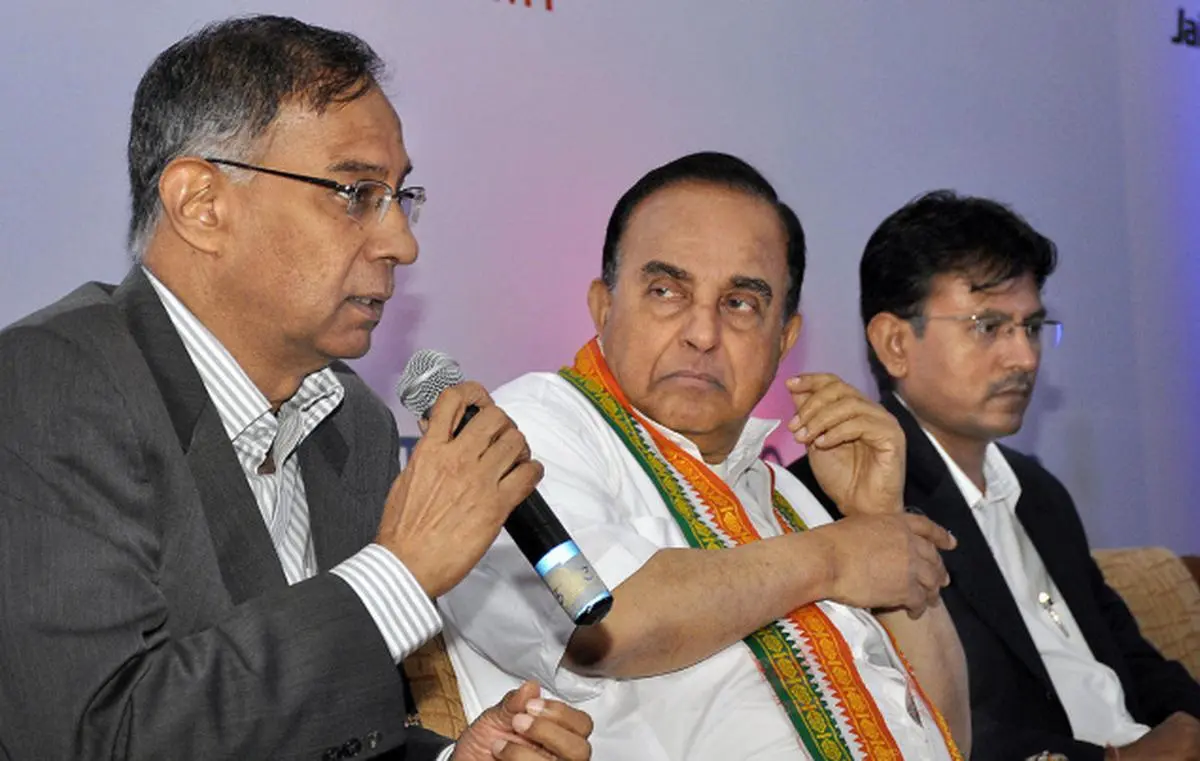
(143, 610)
(1014, 707)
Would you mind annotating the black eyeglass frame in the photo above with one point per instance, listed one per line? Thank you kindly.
(409, 199)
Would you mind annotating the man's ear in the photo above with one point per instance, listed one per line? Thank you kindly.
(890, 337)
(599, 303)
(791, 332)
(195, 198)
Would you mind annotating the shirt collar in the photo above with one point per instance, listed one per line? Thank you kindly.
(746, 452)
(238, 401)
(998, 476)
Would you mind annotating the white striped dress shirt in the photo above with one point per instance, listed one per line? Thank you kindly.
(405, 615)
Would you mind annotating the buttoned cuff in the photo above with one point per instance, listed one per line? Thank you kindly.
(405, 615)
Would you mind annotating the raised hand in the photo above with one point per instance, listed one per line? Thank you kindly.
(449, 503)
(524, 727)
(855, 447)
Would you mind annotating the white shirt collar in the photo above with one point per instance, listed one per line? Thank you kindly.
(1000, 482)
(746, 452)
(238, 401)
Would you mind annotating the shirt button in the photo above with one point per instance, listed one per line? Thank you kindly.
(373, 739)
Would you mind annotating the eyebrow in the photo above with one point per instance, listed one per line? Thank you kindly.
(742, 282)
(1039, 314)
(656, 267)
(354, 166)
(753, 284)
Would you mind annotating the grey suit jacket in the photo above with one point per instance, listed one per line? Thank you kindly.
(143, 610)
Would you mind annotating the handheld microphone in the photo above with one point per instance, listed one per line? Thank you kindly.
(533, 526)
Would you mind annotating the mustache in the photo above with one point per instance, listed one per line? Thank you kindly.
(1021, 383)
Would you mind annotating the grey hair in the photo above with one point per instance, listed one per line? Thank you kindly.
(216, 92)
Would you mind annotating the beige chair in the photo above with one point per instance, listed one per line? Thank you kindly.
(1157, 585)
(1162, 593)
(435, 689)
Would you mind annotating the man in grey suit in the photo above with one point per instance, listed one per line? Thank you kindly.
(206, 549)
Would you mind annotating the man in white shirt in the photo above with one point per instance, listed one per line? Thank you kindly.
(206, 549)
(741, 626)
(951, 301)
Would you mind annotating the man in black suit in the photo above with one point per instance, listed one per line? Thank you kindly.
(951, 301)
(206, 549)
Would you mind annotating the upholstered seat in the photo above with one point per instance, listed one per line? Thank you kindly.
(435, 689)
(1163, 595)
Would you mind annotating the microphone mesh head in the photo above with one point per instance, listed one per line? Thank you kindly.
(427, 374)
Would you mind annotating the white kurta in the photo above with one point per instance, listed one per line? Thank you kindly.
(718, 710)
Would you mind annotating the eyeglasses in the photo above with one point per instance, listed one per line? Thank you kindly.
(366, 200)
(988, 327)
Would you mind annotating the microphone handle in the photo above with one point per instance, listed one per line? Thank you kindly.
(545, 543)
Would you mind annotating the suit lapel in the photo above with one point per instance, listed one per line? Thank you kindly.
(249, 564)
(247, 558)
(339, 519)
(972, 567)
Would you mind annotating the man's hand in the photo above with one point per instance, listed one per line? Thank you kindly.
(855, 446)
(448, 505)
(523, 727)
(888, 561)
(1176, 738)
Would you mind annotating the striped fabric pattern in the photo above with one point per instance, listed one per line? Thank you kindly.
(266, 445)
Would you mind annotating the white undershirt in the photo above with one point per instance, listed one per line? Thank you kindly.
(1089, 690)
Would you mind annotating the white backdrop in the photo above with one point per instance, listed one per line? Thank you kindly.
(527, 124)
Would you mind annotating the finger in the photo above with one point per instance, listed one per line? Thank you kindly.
(807, 383)
(929, 575)
(817, 414)
(821, 419)
(916, 605)
(450, 406)
(557, 740)
(517, 484)
(564, 715)
(473, 392)
(844, 423)
(926, 551)
(485, 428)
(514, 701)
(516, 748)
(927, 529)
(808, 403)
(938, 575)
(525, 455)
(504, 453)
